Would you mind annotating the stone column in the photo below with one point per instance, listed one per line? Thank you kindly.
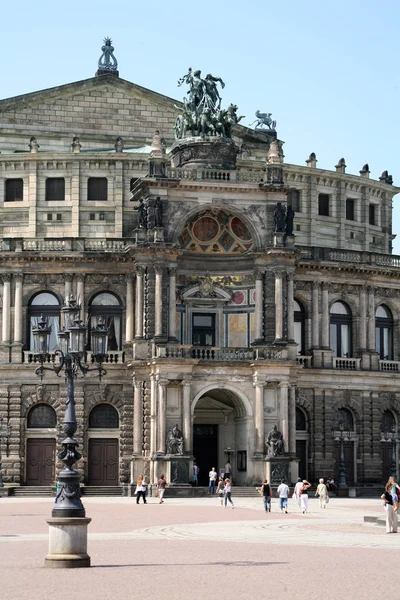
(363, 318)
(259, 417)
(278, 306)
(315, 316)
(172, 304)
(186, 414)
(259, 309)
(18, 278)
(290, 307)
(139, 302)
(5, 336)
(137, 416)
(162, 414)
(67, 285)
(325, 316)
(158, 302)
(153, 415)
(80, 294)
(129, 309)
(283, 410)
(292, 419)
(371, 320)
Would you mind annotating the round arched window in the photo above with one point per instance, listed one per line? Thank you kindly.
(301, 421)
(346, 419)
(340, 330)
(384, 332)
(299, 326)
(42, 416)
(46, 304)
(104, 416)
(106, 305)
(388, 422)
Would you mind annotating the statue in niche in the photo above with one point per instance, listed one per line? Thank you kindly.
(279, 217)
(119, 144)
(158, 212)
(289, 220)
(274, 442)
(175, 441)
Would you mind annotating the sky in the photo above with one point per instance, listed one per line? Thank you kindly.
(328, 70)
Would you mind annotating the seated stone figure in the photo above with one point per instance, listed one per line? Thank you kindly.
(175, 441)
(274, 442)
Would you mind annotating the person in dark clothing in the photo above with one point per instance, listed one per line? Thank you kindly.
(391, 516)
(266, 493)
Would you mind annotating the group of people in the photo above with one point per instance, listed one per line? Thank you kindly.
(300, 494)
(213, 476)
(390, 499)
(142, 487)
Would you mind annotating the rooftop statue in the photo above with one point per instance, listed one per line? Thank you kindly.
(201, 113)
(107, 61)
(264, 119)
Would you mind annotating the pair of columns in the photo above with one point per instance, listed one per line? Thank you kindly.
(158, 302)
(286, 416)
(279, 305)
(6, 314)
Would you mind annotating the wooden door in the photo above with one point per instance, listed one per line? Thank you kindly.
(103, 462)
(40, 462)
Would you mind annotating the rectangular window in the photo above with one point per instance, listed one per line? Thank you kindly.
(350, 205)
(14, 190)
(97, 189)
(372, 215)
(242, 460)
(203, 330)
(352, 235)
(323, 205)
(55, 188)
(59, 217)
(92, 217)
(49, 216)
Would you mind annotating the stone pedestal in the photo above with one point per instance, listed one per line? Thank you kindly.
(205, 153)
(277, 468)
(156, 235)
(140, 235)
(178, 471)
(289, 241)
(279, 239)
(67, 543)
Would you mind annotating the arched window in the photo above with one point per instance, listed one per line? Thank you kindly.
(340, 329)
(108, 306)
(41, 416)
(299, 327)
(388, 422)
(301, 420)
(103, 416)
(46, 304)
(384, 332)
(346, 419)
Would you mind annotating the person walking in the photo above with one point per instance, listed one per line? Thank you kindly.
(144, 489)
(220, 490)
(283, 492)
(304, 495)
(297, 491)
(139, 490)
(394, 490)
(196, 472)
(228, 492)
(322, 493)
(212, 476)
(161, 485)
(391, 516)
(228, 471)
(266, 493)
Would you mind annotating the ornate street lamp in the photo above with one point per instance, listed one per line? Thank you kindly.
(4, 433)
(342, 436)
(68, 505)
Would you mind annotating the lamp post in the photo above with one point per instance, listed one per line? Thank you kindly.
(3, 434)
(391, 436)
(68, 525)
(340, 435)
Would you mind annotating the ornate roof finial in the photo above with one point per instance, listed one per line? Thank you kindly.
(107, 64)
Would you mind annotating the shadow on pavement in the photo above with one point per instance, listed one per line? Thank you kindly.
(235, 563)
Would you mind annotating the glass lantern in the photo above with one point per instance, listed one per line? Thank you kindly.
(41, 336)
(99, 339)
(77, 337)
(63, 341)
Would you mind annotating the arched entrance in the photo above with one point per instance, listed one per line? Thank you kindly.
(41, 445)
(103, 446)
(222, 432)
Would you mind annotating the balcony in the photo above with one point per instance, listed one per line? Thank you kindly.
(389, 366)
(214, 353)
(304, 361)
(112, 358)
(346, 364)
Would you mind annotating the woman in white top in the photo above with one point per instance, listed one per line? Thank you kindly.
(228, 492)
(304, 495)
(322, 492)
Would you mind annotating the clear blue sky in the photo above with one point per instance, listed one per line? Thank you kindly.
(327, 70)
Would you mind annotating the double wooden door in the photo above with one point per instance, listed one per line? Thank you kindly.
(40, 462)
(103, 462)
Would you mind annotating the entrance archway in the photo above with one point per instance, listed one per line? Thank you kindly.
(221, 431)
(103, 451)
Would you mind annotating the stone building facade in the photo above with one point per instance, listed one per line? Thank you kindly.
(218, 323)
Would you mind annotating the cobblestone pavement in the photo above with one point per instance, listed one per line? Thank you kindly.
(191, 548)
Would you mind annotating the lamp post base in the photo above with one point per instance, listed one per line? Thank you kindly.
(67, 543)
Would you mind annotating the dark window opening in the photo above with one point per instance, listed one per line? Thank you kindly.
(103, 416)
(242, 460)
(97, 189)
(323, 205)
(55, 188)
(203, 330)
(92, 217)
(350, 212)
(388, 422)
(59, 217)
(41, 416)
(14, 190)
(346, 419)
(340, 330)
(49, 216)
(372, 216)
(301, 421)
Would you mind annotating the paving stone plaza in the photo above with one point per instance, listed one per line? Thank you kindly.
(193, 548)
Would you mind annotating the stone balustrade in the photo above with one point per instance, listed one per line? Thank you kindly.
(304, 361)
(218, 354)
(347, 364)
(389, 366)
